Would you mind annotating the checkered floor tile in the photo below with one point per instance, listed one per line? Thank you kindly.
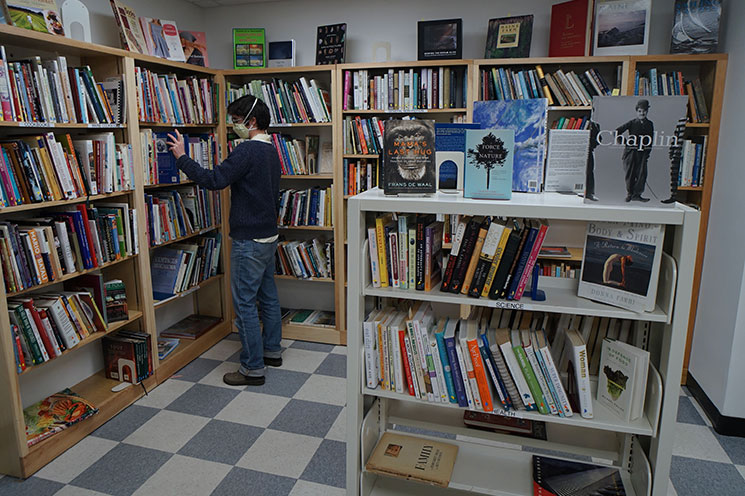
(194, 435)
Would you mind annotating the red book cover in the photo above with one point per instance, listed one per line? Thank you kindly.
(569, 29)
(405, 360)
(119, 359)
(29, 304)
(88, 234)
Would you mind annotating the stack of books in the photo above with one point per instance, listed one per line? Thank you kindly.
(51, 92)
(316, 318)
(406, 89)
(180, 212)
(309, 207)
(180, 266)
(360, 175)
(46, 325)
(567, 89)
(159, 162)
(52, 167)
(166, 99)
(115, 297)
(288, 101)
(363, 136)
(127, 356)
(313, 258)
(39, 250)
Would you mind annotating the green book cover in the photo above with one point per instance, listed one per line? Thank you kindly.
(530, 378)
(249, 49)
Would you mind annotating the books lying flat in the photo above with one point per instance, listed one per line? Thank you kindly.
(166, 346)
(191, 327)
(54, 414)
(319, 318)
(552, 477)
(505, 425)
(413, 458)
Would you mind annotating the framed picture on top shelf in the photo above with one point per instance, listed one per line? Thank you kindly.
(621, 27)
(248, 48)
(442, 39)
(509, 37)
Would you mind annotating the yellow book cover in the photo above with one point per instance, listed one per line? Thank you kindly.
(413, 458)
(380, 223)
(495, 262)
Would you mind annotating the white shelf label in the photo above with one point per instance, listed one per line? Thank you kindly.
(36, 124)
(512, 305)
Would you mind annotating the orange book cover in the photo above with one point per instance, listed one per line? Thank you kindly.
(478, 370)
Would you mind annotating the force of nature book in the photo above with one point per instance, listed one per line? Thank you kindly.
(621, 264)
(36, 15)
(622, 378)
(450, 149)
(509, 37)
(409, 157)
(635, 157)
(696, 26)
(489, 163)
(413, 458)
(527, 118)
(621, 27)
(248, 48)
(553, 477)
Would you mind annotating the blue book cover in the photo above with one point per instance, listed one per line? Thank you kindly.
(527, 118)
(450, 149)
(167, 171)
(164, 269)
(522, 262)
(442, 350)
(486, 351)
(489, 164)
(460, 393)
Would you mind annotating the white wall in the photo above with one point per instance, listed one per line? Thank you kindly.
(389, 20)
(720, 322)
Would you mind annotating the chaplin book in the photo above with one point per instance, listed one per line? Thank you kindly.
(409, 157)
(635, 150)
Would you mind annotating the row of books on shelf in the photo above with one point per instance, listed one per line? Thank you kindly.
(166, 99)
(315, 318)
(487, 258)
(288, 101)
(180, 212)
(313, 258)
(360, 175)
(127, 356)
(39, 250)
(51, 92)
(299, 156)
(562, 88)
(45, 326)
(582, 123)
(672, 84)
(406, 89)
(308, 207)
(562, 270)
(160, 164)
(52, 167)
(692, 161)
(178, 267)
(363, 136)
(502, 359)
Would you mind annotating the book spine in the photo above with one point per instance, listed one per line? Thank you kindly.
(420, 250)
(380, 236)
(439, 370)
(582, 376)
(369, 340)
(522, 263)
(527, 272)
(412, 370)
(541, 379)
(446, 368)
(405, 361)
(492, 373)
(515, 371)
(469, 381)
(530, 378)
(456, 372)
(416, 359)
(480, 375)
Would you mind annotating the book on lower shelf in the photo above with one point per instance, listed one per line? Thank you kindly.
(127, 356)
(622, 378)
(166, 346)
(313, 258)
(192, 327)
(413, 458)
(55, 414)
(180, 266)
(554, 477)
(308, 207)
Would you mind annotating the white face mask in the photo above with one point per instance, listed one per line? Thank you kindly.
(240, 129)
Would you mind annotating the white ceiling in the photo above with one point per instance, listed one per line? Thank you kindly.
(223, 3)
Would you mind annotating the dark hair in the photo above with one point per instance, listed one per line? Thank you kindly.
(242, 106)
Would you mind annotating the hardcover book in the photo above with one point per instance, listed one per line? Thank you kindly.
(621, 264)
(166, 346)
(130, 31)
(621, 27)
(54, 414)
(622, 378)
(527, 118)
(409, 157)
(450, 149)
(162, 38)
(194, 44)
(413, 458)
(489, 164)
(331, 44)
(509, 37)
(248, 48)
(696, 26)
(570, 23)
(552, 477)
(442, 39)
(191, 327)
(633, 157)
(505, 425)
(36, 15)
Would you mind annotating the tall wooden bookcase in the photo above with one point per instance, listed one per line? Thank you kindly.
(80, 367)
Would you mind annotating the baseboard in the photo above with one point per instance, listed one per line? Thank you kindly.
(724, 425)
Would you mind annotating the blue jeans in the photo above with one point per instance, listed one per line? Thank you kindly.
(252, 280)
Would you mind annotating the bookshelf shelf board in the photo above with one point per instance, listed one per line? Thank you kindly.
(59, 125)
(189, 349)
(325, 177)
(551, 61)
(698, 124)
(59, 203)
(171, 126)
(294, 124)
(133, 316)
(690, 188)
(561, 297)
(256, 73)
(413, 111)
(404, 65)
(159, 303)
(360, 155)
(283, 277)
(570, 107)
(169, 185)
(529, 205)
(182, 238)
(308, 228)
(46, 42)
(68, 277)
(97, 390)
(316, 334)
(159, 63)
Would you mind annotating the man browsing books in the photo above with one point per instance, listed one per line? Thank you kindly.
(252, 171)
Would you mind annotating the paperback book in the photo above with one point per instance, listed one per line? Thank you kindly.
(36, 15)
(509, 37)
(194, 44)
(696, 26)
(248, 48)
(622, 378)
(130, 31)
(166, 346)
(621, 27)
(553, 477)
(409, 157)
(527, 118)
(441, 39)
(281, 53)
(54, 414)
(191, 327)
(450, 148)
(634, 155)
(331, 44)
(621, 264)
(489, 164)
(570, 22)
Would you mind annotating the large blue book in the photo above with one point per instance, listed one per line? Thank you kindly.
(489, 161)
(167, 171)
(164, 269)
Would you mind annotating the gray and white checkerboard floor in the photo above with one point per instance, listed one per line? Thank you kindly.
(194, 435)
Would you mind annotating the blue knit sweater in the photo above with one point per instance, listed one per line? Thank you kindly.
(252, 171)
